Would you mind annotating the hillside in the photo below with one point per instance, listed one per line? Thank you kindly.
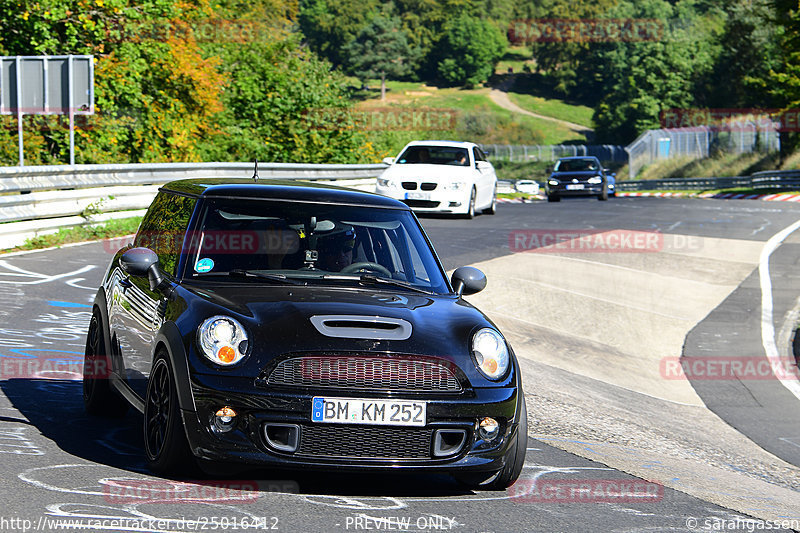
(468, 114)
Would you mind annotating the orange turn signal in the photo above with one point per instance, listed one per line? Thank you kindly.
(226, 354)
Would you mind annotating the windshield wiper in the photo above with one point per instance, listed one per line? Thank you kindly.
(272, 277)
(375, 280)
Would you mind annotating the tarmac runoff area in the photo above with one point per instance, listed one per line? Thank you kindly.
(592, 332)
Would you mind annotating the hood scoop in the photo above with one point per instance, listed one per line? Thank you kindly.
(362, 327)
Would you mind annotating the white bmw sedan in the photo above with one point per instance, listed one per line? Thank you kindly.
(441, 177)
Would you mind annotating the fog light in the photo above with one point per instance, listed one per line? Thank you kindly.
(225, 419)
(488, 429)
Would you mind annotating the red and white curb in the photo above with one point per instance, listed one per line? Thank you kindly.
(529, 200)
(781, 197)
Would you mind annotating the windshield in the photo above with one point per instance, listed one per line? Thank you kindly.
(575, 165)
(314, 243)
(434, 155)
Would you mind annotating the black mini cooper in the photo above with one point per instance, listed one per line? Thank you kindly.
(303, 326)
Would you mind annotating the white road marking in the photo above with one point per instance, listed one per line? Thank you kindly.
(37, 277)
(767, 326)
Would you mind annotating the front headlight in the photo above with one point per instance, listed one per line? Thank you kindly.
(490, 353)
(553, 182)
(385, 182)
(222, 340)
(595, 179)
(454, 185)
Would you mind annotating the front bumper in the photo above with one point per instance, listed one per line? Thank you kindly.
(436, 201)
(246, 443)
(561, 190)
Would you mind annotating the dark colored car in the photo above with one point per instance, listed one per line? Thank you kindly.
(578, 176)
(301, 326)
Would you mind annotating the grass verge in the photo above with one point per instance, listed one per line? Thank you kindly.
(88, 232)
(721, 165)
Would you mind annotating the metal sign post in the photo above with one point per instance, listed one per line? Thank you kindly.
(47, 85)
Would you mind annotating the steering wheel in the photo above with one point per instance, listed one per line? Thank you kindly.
(368, 266)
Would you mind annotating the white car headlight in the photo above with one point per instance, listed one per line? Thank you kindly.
(553, 182)
(386, 182)
(595, 179)
(454, 185)
(490, 353)
(222, 340)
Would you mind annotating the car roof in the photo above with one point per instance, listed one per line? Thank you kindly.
(577, 157)
(279, 190)
(458, 144)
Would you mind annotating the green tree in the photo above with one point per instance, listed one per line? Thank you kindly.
(749, 49)
(470, 49)
(565, 61)
(380, 50)
(783, 81)
(640, 79)
(328, 25)
(177, 81)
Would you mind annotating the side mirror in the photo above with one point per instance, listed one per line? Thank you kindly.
(549, 170)
(142, 262)
(468, 280)
(388, 160)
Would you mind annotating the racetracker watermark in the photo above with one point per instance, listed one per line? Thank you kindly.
(125, 491)
(57, 369)
(728, 368)
(599, 241)
(745, 120)
(529, 31)
(202, 31)
(382, 119)
(586, 491)
(274, 241)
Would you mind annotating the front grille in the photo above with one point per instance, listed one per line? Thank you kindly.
(365, 442)
(353, 372)
(428, 186)
(410, 185)
(429, 204)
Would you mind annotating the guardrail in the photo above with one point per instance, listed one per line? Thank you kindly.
(36, 200)
(771, 179)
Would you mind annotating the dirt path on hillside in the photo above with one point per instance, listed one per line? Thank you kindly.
(500, 97)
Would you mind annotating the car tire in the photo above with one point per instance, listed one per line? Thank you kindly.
(511, 471)
(553, 198)
(165, 441)
(492, 209)
(98, 397)
(471, 209)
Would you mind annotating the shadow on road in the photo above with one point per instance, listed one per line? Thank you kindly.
(55, 408)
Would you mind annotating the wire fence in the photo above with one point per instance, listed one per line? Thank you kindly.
(697, 143)
(606, 153)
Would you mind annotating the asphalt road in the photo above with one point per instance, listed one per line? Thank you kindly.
(58, 463)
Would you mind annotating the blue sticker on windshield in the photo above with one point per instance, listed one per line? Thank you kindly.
(204, 265)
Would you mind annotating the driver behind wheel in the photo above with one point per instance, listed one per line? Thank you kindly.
(336, 248)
